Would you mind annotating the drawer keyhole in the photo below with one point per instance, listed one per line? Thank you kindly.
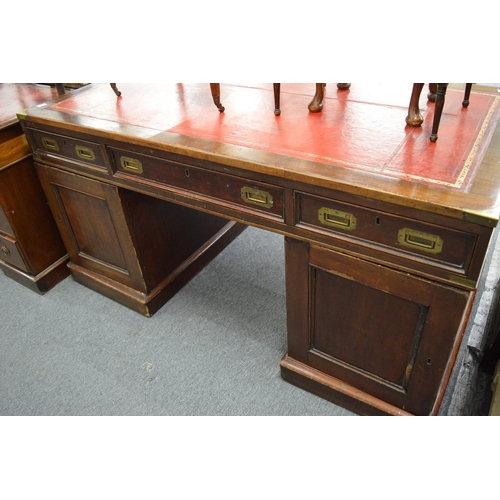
(377, 221)
(5, 250)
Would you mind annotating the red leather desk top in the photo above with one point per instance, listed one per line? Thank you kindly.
(359, 144)
(15, 97)
(363, 128)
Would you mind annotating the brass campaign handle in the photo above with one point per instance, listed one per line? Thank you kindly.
(337, 218)
(85, 153)
(418, 240)
(131, 165)
(257, 197)
(49, 143)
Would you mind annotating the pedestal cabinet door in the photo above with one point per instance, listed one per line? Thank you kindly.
(92, 221)
(386, 333)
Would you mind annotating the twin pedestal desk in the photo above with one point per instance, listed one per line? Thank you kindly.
(385, 232)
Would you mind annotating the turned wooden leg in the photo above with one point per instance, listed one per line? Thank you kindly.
(343, 86)
(215, 89)
(414, 118)
(115, 89)
(468, 88)
(432, 92)
(277, 90)
(438, 110)
(316, 105)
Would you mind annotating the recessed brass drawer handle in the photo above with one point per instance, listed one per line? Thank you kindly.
(420, 241)
(85, 153)
(49, 143)
(5, 250)
(337, 218)
(257, 197)
(131, 165)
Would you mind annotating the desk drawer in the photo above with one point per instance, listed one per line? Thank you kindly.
(223, 188)
(86, 153)
(10, 253)
(429, 243)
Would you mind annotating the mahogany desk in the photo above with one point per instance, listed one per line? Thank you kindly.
(31, 250)
(385, 232)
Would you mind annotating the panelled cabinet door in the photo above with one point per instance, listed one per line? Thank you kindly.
(382, 331)
(92, 221)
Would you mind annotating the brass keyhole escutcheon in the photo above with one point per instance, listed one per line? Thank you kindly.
(5, 250)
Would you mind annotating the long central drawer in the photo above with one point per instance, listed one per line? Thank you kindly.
(254, 196)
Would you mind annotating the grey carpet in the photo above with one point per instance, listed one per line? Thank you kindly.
(214, 349)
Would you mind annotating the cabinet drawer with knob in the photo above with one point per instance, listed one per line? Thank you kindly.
(10, 253)
(224, 189)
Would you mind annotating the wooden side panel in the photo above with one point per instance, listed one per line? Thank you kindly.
(388, 334)
(136, 249)
(366, 328)
(166, 235)
(5, 226)
(92, 223)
